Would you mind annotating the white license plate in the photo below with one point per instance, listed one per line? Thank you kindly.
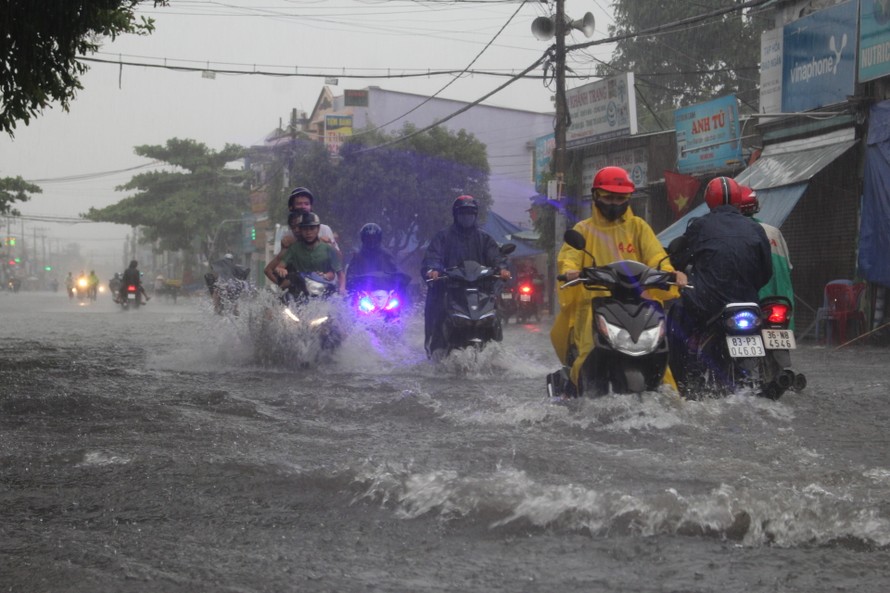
(507, 296)
(131, 296)
(778, 339)
(745, 346)
(525, 298)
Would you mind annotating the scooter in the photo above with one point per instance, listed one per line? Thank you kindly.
(304, 327)
(630, 353)
(507, 303)
(378, 295)
(132, 297)
(744, 347)
(526, 301)
(471, 318)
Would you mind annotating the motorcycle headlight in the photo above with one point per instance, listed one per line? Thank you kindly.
(621, 340)
(314, 288)
(318, 321)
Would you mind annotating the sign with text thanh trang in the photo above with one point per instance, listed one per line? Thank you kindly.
(600, 110)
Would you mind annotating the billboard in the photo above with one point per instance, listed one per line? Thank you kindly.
(603, 109)
(771, 72)
(543, 154)
(819, 65)
(635, 161)
(335, 128)
(874, 39)
(708, 136)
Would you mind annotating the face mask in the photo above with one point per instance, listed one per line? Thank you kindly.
(466, 220)
(612, 212)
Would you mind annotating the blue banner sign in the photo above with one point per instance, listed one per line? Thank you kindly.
(819, 65)
(874, 39)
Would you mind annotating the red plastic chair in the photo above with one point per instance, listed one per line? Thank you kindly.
(843, 307)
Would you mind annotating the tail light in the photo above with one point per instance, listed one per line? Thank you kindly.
(743, 320)
(525, 289)
(131, 288)
(776, 313)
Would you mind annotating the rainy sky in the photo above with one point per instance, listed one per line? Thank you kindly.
(79, 157)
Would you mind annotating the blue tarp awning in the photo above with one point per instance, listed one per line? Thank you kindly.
(776, 203)
(504, 231)
(874, 226)
(780, 178)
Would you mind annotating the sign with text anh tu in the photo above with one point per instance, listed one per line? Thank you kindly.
(708, 137)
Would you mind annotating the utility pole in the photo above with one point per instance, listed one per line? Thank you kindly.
(559, 132)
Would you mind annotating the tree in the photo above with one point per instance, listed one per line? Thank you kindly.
(177, 208)
(407, 188)
(716, 57)
(15, 189)
(40, 43)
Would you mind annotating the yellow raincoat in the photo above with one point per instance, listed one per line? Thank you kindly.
(629, 237)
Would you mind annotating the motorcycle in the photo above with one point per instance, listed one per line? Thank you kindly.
(304, 327)
(226, 293)
(527, 303)
(471, 317)
(507, 303)
(82, 288)
(744, 347)
(378, 295)
(630, 353)
(132, 297)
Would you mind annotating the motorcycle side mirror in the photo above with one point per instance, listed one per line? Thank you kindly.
(577, 241)
(507, 248)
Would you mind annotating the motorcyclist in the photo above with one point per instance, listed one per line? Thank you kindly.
(308, 255)
(449, 248)
(69, 285)
(301, 200)
(227, 277)
(612, 233)
(114, 287)
(727, 256)
(371, 258)
(93, 281)
(132, 277)
(780, 282)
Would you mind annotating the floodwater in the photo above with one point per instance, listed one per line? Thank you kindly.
(149, 451)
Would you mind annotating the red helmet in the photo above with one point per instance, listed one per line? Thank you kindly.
(614, 180)
(721, 191)
(748, 204)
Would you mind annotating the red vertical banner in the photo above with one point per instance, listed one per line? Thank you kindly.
(681, 190)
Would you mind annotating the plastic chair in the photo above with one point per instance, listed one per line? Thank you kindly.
(843, 307)
(821, 322)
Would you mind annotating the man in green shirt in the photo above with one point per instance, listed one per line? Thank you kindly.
(306, 256)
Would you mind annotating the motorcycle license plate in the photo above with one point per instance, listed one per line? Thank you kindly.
(778, 339)
(525, 298)
(745, 346)
(131, 296)
(507, 296)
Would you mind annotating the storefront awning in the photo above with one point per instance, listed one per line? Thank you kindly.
(780, 178)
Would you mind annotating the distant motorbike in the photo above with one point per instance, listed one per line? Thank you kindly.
(131, 297)
(744, 347)
(226, 293)
(471, 317)
(527, 301)
(82, 288)
(378, 295)
(630, 353)
(507, 303)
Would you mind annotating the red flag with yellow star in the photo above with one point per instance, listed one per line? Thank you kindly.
(681, 190)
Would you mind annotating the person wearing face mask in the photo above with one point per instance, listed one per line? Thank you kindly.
(612, 233)
(449, 248)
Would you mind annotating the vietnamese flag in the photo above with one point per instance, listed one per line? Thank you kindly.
(681, 190)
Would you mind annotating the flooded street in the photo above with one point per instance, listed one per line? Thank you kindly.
(147, 451)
